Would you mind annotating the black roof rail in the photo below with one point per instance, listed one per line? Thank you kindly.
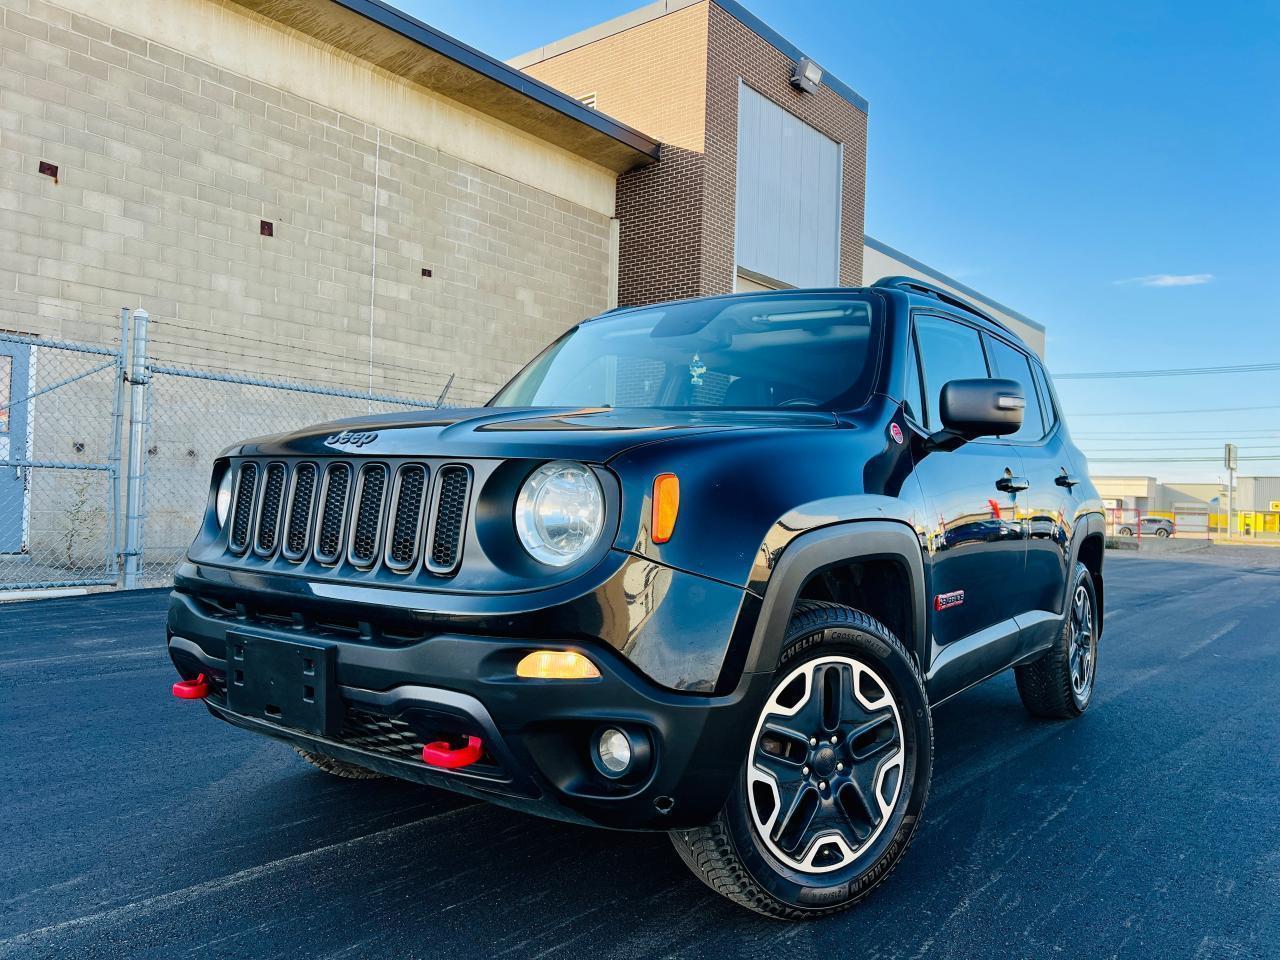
(924, 287)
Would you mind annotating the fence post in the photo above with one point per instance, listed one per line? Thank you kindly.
(117, 438)
(139, 381)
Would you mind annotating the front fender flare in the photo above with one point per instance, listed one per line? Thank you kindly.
(828, 546)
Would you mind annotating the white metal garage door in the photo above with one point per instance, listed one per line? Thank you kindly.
(789, 186)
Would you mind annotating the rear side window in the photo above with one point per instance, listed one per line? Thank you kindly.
(949, 351)
(1046, 397)
(1013, 364)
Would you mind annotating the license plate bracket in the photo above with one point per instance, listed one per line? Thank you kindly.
(290, 683)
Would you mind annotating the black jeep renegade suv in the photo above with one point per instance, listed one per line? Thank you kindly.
(701, 567)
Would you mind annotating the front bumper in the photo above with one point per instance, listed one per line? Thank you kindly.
(398, 695)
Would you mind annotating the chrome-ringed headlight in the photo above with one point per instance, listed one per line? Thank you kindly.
(222, 499)
(560, 513)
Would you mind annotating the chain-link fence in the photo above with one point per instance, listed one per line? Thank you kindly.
(60, 423)
(194, 416)
(105, 453)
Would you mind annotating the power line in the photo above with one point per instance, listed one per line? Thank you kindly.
(1152, 434)
(1173, 459)
(1165, 413)
(1168, 372)
(1194, 450)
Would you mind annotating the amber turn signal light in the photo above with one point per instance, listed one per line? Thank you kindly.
(666, 505)
(556, 665)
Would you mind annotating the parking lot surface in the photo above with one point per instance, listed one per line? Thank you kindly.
(136, 825)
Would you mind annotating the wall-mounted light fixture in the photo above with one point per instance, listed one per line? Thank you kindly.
(806, 75)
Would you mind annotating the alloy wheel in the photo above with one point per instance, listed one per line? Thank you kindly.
(826, 766)
(1082, 650)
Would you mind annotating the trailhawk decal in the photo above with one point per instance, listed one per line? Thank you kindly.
(944, 601)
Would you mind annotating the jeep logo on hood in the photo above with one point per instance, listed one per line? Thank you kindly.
(348, 438)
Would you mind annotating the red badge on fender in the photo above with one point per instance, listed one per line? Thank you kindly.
(944, 601)
(895, 431)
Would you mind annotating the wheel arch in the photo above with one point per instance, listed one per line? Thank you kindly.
(1089, 549)
(886, 547)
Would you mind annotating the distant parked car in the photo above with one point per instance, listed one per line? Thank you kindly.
(1149, 527)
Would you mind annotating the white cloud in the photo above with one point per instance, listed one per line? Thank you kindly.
(1170, 280)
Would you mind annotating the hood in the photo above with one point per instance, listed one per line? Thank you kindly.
(590, 433)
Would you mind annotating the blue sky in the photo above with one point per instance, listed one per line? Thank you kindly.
(1044, 153)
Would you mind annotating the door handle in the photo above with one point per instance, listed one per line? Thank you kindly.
(1012, 484)
(1065, 479)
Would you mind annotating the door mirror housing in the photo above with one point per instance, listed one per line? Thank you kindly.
(978, 408)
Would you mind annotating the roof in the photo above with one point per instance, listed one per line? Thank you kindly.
(941, 277)
(661, 8)
(405, 46)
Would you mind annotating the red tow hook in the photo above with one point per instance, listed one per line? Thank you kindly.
(195, 689)
(440, 754)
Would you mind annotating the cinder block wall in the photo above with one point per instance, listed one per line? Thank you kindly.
(177, 127)
(168, 162)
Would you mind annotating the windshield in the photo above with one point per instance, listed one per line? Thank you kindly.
(814, 350)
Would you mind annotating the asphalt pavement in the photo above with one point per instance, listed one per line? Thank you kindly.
(134, 825)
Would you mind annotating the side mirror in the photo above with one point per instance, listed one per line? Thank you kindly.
(978, 408)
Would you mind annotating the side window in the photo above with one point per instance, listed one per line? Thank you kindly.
(1013, 364)
(949, 351)
(914, 396)
(1046, 397)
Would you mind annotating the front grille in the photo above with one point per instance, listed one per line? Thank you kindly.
(333, 514)
(404, 517)
(451, 512)
(246, 497)
(402, 545)
(300, 507)
(270, 510)
(368, 525)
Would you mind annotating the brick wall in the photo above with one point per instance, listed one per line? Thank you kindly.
(653, 77)
(167, 165)
(676, 78)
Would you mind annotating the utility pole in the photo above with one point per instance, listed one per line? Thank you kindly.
(1230, 461)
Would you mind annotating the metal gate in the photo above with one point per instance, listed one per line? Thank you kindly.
(60, 436)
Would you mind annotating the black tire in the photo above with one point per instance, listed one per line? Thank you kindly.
(1125, 532)
(732, 856)
(1050, 687)
(338, 768)
(1161, 532)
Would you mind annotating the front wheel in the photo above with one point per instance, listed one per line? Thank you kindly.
(1161, 532)
(835, 778)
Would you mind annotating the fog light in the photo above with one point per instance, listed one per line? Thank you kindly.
(613, 750)
(556, 665)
